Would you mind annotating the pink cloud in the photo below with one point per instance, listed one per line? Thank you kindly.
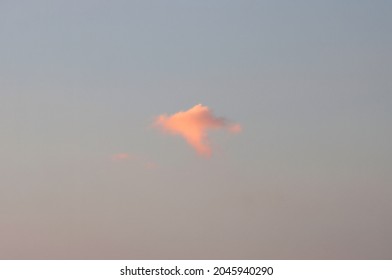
(121, 156)
(235, 128)
(193, 126)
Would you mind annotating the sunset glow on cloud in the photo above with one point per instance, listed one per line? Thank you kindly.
(120, 156)
(136, 160)
(193, 126)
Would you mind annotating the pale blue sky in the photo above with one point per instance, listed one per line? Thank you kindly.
(309, 176)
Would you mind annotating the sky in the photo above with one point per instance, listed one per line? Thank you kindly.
(100, 157)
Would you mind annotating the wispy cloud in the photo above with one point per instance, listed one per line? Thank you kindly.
(193, 126)
(120, 157)
(135, 159)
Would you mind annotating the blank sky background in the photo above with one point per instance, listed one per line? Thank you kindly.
(309, 177)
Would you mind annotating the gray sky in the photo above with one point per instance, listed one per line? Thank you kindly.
(308, 177)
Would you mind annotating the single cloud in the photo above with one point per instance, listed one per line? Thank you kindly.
(120, 157)
(140, 161)
(193, 126)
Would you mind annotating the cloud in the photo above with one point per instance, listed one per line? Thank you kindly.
(119, 157)
(193, 126)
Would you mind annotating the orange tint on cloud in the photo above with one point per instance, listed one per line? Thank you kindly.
(235, 128)
(193, 125)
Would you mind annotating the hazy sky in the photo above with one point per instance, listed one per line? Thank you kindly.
(84, 173)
